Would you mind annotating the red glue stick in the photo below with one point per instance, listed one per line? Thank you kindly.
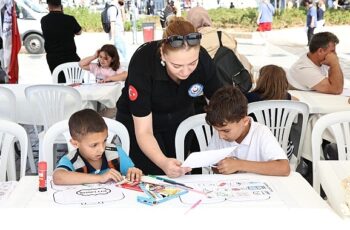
(42, 170)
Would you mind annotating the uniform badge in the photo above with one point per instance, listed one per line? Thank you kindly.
(195, 90)
(132, 93)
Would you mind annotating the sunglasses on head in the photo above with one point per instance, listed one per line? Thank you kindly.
(177, 41)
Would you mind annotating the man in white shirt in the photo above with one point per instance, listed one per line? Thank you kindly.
(116, 34)
(319, 69)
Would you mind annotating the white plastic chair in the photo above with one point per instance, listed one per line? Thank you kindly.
(279, 116)
(55, 103)
(8, 112)
(72, 72)
(338, 124)
(8, 104)
(61, 128)
(203, 133)
(9, 133)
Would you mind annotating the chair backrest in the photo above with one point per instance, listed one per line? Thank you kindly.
(200, 127)
(8, 104)
(72, 72)
(338, 124)
(115, 128)
(279, 116)
(61, 128)
(9, 133)
(55, 102)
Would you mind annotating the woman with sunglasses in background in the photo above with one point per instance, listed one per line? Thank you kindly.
(164, 78)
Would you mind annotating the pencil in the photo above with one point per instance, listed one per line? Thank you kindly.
(193, 206)
(170, 181)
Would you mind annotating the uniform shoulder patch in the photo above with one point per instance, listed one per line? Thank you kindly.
(132, 93)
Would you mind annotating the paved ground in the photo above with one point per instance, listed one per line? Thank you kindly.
(283, 47)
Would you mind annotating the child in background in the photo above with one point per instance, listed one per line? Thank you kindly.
(108, 66)
(93, 161)
(272, 84)
(257, 148)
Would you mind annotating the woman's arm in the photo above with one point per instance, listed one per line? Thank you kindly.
(118, 77)
(85, 62)
(149, 145)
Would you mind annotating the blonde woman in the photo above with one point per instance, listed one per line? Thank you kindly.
(164, 79)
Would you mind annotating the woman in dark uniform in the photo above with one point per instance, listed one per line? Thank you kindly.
(164, 78)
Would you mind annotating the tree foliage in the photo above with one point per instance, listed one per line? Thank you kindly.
(238, 19)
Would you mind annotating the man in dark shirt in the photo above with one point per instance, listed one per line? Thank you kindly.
(59, 31)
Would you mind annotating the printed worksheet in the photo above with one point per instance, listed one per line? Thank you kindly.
(230, 190)
(88, 194)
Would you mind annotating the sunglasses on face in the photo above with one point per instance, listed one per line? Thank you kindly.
(177, 41)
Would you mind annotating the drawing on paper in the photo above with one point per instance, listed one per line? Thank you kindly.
(232, 190)
(87, 194)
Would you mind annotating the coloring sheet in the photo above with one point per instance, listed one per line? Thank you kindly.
(230, 190)
(89, 194)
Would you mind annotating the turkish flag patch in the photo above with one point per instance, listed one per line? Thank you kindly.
(132, 93)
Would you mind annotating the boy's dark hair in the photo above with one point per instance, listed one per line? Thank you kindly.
(54, 2)
(228, 104)
(84, 122)
(322, 40)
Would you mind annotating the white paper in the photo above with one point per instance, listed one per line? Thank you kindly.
(207, 158)
(85, 195)
(346, 92)
(234, 190)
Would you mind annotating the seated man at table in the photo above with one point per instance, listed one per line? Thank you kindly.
(93, 161)
(319, 69)
(257, 148)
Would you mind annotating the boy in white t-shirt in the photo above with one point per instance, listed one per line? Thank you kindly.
(257, 148)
